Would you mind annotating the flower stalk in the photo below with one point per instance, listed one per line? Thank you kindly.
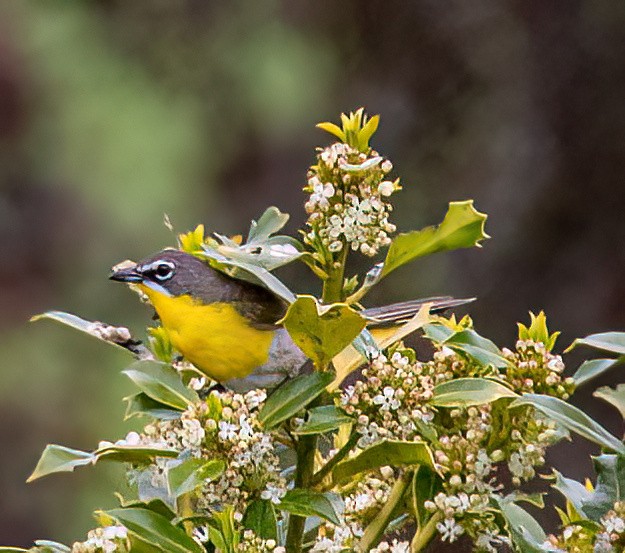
(378, 525)
(424, 535)
(306, 447)
(326, 469)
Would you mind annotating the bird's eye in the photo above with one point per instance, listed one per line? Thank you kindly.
(164, 270)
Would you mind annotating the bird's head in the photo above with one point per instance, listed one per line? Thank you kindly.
(169, 272)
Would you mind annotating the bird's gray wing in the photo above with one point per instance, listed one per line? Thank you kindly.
(285, 361)
(396, 313)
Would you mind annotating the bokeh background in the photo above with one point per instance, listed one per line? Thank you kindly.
(113, 113)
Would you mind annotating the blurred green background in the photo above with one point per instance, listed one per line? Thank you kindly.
(113, 113)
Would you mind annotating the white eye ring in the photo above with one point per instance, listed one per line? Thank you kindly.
(161, 270)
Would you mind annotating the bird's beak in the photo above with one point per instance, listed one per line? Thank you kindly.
(126, 274)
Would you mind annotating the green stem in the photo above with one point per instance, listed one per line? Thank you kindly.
(185, 509)
(424, 536)
(336, 459)
(378, 525)
(333, 286)
(306, 447)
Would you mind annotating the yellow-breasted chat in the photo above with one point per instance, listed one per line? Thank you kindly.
(227, 327)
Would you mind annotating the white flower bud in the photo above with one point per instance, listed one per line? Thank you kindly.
(455, 481)
(387, 166)
(335, 246)
(552, 379)
(429, 506)
(132, 438)
(386, 188)
(497, 456)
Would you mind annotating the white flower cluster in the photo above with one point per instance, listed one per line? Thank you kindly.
(536, 371)
(224, 426)
(449, 530)
(348, 204)
(362, 503)
(613, 523)
(491, 541)
(343, 538)
(603, 544)
(576, 537)
(527, 448)
(394, 547)
(253, 466)
(108, 539)
(116, 334)
(251, 543)
(469, 475)
(391, 401)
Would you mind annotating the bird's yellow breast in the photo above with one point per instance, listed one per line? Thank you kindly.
(215, 337)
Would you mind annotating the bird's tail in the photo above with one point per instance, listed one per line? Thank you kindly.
(401, 312)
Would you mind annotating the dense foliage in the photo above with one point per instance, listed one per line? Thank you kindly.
(414, 447)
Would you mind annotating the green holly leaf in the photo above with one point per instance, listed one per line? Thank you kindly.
(142, 405)
(244, 270)
(610, 486)
(462, 227)
(292, 396)
(57, 458)
(323, 419)
(571, 418)
(322, 331)
(190, 474)
(615, 397)
(593, 368)
(613, 342)
(464, 392)
(270, 222)
(155, 529)
(477, 347)
(162, 383)
(223, 532)
(425, 485)
(260, 516)
(308, 503)
(263, 248)
(386, 452)
(526, 532)
(116, 336)
(573, 491)
(48, 546)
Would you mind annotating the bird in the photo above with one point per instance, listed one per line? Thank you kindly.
(228, 328)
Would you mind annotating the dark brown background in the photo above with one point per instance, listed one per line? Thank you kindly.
(113, 112)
